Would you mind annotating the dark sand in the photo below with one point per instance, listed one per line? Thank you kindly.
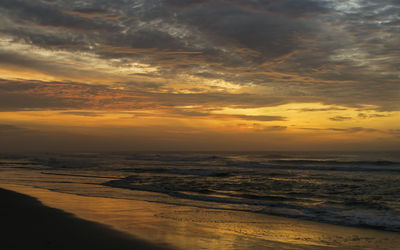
(27, 224)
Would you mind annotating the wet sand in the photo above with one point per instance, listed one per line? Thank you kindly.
(28, 224)
(185, 227)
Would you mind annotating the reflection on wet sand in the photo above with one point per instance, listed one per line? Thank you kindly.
(188, 227)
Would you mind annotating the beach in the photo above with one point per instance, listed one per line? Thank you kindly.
(28, 224)
(199, 125)
(179, 200)
(154, 225)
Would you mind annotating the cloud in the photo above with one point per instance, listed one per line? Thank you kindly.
(274, 128)
(285, 51)
(321, 109)
(7, 128)
(82, 113)
(92, 13)
(263, 118)
(194, 59)
(30, 95)
(240, 28)
(345, 130)
(354, 130)
(33, 95)
(47, 15)
(199, 113)
(289, 7)
(395, 132)
(340, 118)
(365, 116)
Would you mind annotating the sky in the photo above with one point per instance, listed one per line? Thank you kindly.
(124, 75)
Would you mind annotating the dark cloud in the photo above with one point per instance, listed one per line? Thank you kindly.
(82, 113)
(191, 113)
(33, 95)
(46, 15)
(218, 24)
(353, 130)
(321, 109)
(345, 130)
(29, 101)
(10, 59)
(274, 128)
(200, 114)
(25, 95)
(365, 116)
(270, 36)
(263, 118)
(93, 12)
(37, 95)
(395, 132)
(311, 51)
(7, 128)
(145, 39)
(340, 118)
(288, 7)
(189, 59)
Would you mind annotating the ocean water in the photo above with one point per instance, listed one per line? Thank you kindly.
(359, 189)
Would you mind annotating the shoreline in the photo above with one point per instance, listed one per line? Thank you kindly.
(196, 228)
(29, 224)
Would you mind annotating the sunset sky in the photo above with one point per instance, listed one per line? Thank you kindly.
(92, 75)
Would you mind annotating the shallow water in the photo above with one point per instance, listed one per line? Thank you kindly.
(187, 227)
(356, 189)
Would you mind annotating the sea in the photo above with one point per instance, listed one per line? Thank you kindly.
(359, 189)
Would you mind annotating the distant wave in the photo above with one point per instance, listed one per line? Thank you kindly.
(335, 162)
(199, 172)
(373, 166)
(174, 158)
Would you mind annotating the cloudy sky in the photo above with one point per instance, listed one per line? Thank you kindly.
(199, 75)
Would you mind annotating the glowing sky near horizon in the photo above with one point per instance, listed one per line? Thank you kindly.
(199, 75)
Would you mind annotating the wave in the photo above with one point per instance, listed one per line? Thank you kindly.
(174, 158)
(356, 213)
(334, 188)
(335, 162)
(321, 165)
(198, 172)
(77, 175)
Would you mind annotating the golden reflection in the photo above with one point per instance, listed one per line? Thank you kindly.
(199, 228)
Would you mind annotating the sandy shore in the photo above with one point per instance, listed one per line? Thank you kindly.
(28, 224)
(182, 227)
